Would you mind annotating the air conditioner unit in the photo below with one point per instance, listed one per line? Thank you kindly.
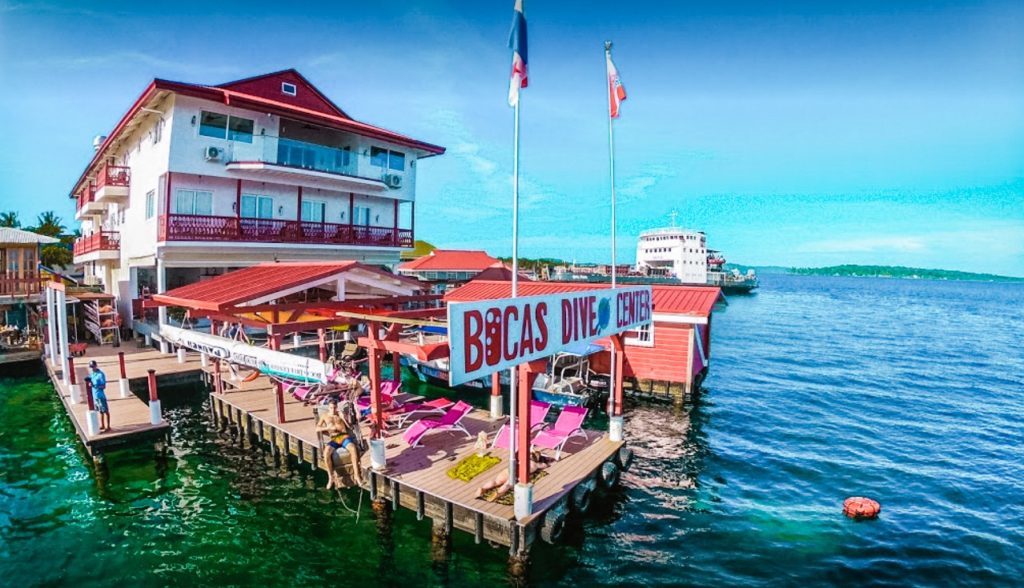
(213, 153)
(393, 180)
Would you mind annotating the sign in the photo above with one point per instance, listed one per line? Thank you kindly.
(274, 363)
(492, 335)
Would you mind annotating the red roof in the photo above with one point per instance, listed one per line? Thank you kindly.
(691, 300)
(261, 93)
(451, 260)
(259, 281)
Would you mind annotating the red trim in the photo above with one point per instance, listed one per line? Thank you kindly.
(194, 227)
(98, 241)
(295, 72)
(238, 200)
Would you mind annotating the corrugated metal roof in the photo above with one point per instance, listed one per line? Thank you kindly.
(451, 260)
(259, 281)
(22, 237)
(691, 300)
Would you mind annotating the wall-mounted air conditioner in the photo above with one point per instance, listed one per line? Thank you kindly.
(213, 153)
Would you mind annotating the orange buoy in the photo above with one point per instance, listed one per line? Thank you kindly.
(858, 507)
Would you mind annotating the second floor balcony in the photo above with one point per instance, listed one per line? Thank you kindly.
(376, 170)
(189, 227)
(98, 246)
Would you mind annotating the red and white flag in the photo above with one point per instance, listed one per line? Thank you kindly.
(616, 91)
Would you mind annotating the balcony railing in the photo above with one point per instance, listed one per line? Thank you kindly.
(113, 175)
(311, 156)
(187, 227)
(29, 283)
(101, 241)
(87, 195)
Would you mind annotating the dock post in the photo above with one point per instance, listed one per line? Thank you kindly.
(275, 344)
(92, 418)
(62, 319)
(523, 491)
(51, 326)
(123, 382)
(181, 355)
(615, 421)
(321, 335)
(75, 387)
(218, 378)
(155, 417)
(496, 406)
(204, 360)
(378, 459)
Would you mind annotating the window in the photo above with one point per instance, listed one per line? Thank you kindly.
(289, 89)
(150, 204)
(313, 211)
(361, 215)
(193, 202)
(212, 124)
(383, 158)
(254, 206)
(222, 126)
(643, 336)
(240, 129)
(158, 131)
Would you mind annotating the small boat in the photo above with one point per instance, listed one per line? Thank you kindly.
(436, 372)
(567, 382)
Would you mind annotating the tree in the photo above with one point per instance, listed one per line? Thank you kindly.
(49, 224)
(56, 255)
(10, 219)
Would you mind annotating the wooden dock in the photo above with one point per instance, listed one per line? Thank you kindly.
(129, 417)
(416, 478)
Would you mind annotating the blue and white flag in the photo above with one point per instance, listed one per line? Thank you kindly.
(517, 43)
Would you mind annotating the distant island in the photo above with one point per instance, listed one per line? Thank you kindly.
(898, 271)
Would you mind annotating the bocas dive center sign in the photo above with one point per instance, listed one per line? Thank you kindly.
(487, 336)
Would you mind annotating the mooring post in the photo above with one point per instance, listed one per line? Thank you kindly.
(218, 381)
(155, 417)
(92, 418)
(496, 401)
(615, 420)
(181, 355)
(275, 344)
(123, 382)
(321, 335)
(75, 389)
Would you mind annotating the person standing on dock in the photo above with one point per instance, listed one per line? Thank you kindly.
(99, 394)
(337, 430)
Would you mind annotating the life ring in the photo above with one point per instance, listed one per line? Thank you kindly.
(255, 374)
(858, 507)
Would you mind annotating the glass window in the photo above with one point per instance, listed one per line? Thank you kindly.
(313, 211)
(212, 124)
(254, 206)
(643, 336)
(378, 156)
(289, 89)
(361, 215)
(193, 202)
(150, 204)
(396, 161)
(240, 129)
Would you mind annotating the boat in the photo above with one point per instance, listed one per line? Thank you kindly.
(435, 372)
(568, 381)
(682, 255)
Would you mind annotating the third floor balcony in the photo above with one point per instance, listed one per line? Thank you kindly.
(86, 202)
(98, 246)
(112, 183)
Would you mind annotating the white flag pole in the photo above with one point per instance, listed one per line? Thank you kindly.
(513, 390)
(611, 167)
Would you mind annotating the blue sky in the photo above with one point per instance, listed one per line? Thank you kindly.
(793, 134)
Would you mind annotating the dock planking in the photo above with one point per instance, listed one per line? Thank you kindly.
(417, 477)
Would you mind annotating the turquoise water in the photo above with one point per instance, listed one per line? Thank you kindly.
(911, 392)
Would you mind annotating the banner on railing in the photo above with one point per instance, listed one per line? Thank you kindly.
(492, 335)
(273, 363)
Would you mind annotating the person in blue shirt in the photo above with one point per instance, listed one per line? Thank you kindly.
(99, 394)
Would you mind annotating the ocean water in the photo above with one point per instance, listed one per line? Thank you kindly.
(910, 392)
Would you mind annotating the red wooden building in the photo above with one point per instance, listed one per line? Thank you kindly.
(669, 358)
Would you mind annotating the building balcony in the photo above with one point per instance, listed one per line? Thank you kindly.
(14, 286)
(87, 203)
(291, 161)
(230, 229)
(112, 183)
(104, 245)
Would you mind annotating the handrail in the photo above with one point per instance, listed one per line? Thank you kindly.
(187, 227)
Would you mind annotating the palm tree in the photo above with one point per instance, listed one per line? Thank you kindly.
(49, 224)
(9, 219)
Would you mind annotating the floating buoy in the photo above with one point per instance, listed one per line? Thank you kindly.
(858, 507)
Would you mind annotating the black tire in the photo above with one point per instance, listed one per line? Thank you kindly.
(554, 525)
(609, 474)
(581, 497)
(625, 458)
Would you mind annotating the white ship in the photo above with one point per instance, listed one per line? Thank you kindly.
(682, 254)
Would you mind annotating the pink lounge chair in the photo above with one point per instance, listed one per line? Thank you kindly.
(568, 425)
(402, 414)
(388, 390)
(450, 421)
(538, 412)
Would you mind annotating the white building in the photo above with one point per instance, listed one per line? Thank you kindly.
(677, 252)
(196, 180)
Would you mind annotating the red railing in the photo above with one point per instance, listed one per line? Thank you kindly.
(29, 283)
(113, 175)
(186, 227)
(87, 195)
(102, 241)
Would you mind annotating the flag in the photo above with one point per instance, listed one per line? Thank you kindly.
(517, 43)
(616, 91)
